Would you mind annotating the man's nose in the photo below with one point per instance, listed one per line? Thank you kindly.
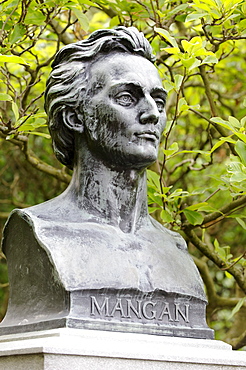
(149, 112)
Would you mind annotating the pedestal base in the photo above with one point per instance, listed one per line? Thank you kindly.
(66, 349)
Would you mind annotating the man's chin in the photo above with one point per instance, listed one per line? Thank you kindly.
(136, 160)
(146, 154)
(130, 156)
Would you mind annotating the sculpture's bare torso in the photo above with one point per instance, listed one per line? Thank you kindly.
(100, 255)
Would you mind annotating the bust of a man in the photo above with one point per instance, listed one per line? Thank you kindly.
(93, 257)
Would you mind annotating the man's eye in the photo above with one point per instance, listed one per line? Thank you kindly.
(160, 104)
(124, 99)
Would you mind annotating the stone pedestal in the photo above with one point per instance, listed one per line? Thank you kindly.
(72, 349)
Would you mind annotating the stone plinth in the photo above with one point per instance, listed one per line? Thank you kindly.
(96, 350)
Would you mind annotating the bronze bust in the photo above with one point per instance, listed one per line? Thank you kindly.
(93, 257)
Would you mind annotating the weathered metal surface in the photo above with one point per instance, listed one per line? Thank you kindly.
(93, 257)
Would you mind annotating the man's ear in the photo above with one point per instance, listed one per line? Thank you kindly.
(73, 120)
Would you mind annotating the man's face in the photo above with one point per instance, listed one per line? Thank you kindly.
(125, 114)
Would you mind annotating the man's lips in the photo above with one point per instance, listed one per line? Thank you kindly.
(148, 135)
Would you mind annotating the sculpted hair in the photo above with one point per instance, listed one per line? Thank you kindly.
(68, 80)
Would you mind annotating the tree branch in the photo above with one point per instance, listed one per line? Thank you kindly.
(221, 213)
(22, 143)
(237, 270)
(208, 90)
(4, 215)
(213, 106)
(214, 300)
(44, 167)
(238, 342)
(64, 37)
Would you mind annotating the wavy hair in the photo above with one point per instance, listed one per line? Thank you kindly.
(67, 83)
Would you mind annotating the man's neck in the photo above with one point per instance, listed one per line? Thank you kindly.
(115, 196)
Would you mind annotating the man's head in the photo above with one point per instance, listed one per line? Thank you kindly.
(77, 79)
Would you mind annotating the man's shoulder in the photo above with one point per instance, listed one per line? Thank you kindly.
(43, 210)
(17, 227)
(16, 216)
(177, 238)
(30, 216)
(50, 210)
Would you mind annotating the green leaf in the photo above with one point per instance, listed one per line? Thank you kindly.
(182, 105)
(46, 136)
(241, 222)
(242, 25)
(244, 8)
(179, 193)
(171, 150)
(194, 16)
(177, 9)
(15, 109)
(154, 178)
(210, 59)
(178, 81)
(114, 21)
(237, 307)
(240, 148)
(196, 64)
(241, 136)
(186, 45)
(5, 97)
(31, 123)
(166, 217)
(202, 6)
(83, 20)
(194, 151)
(187, 63)
(35, 17)
(165, 190)
(156, 198)
(167, 36)
(217, 145)
(216, 30)
(180, 18)
(221, 251)
(207, 208)
(9, 137)
(153, 209)
(228, 275)
(201, 52)
(168, 86)
(240, 215)
(221, 122)
(11, 59)
(197, 206)
(193, 217)
(172, 50)
(238, 177)
(90, 3)
(234, 122)
(243, 122)
(17, 34)
(222, 140)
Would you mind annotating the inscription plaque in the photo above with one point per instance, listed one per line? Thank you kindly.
(154, 313)
(149, 310)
